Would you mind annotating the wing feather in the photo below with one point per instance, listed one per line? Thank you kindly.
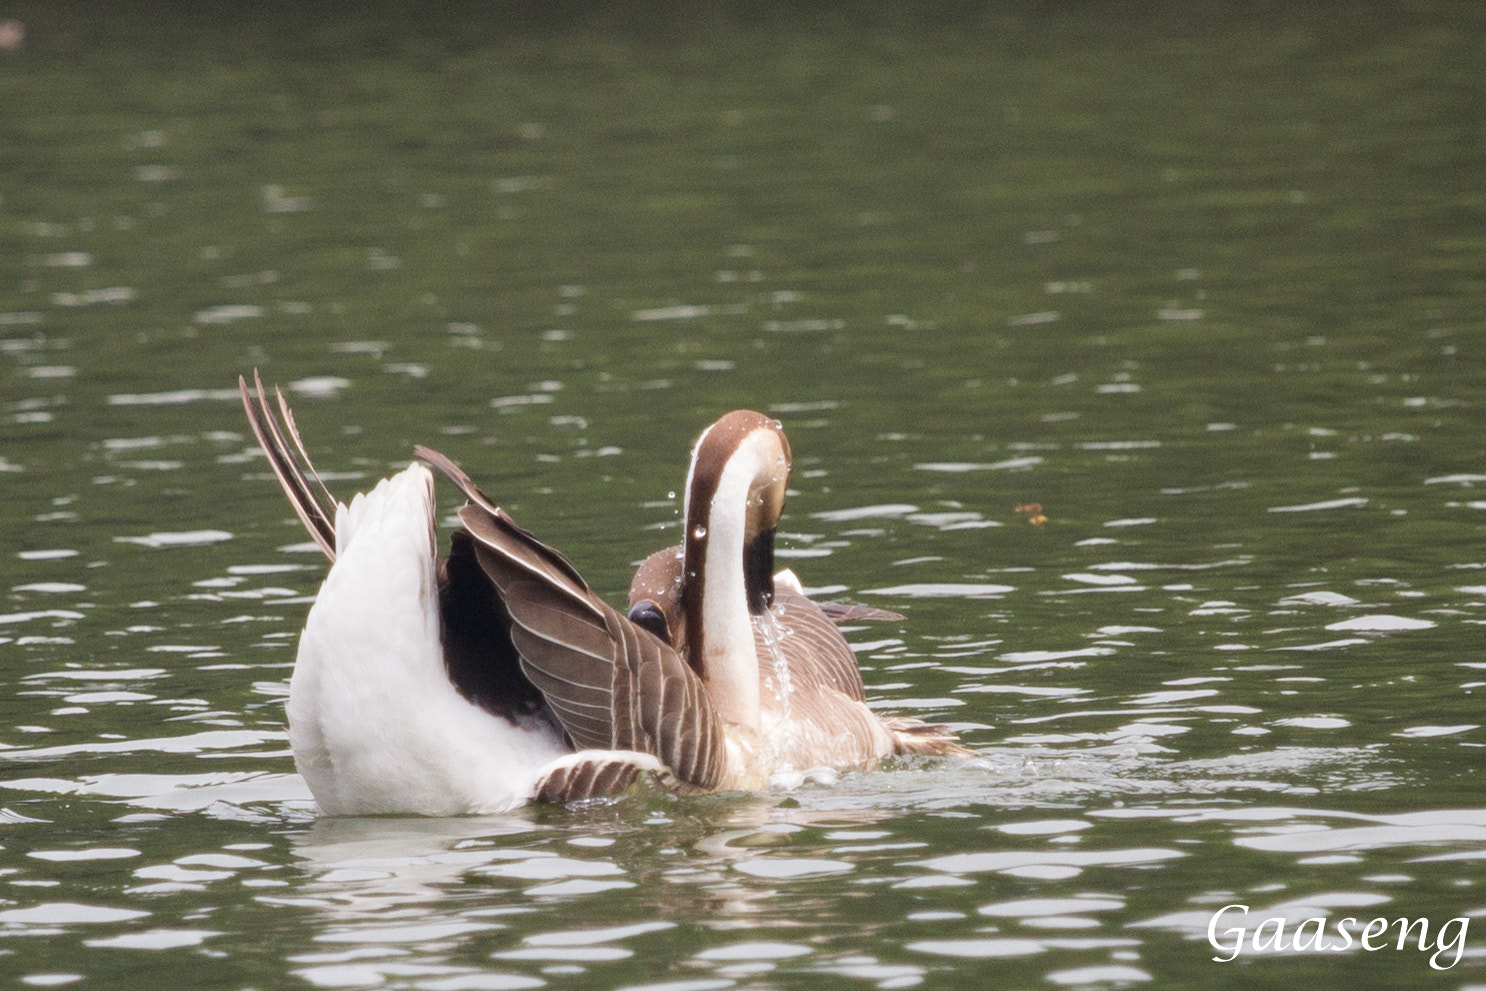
(594, 774)
(610, 684)
(852, 612)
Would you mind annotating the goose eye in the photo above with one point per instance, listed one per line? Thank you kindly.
(647, 615)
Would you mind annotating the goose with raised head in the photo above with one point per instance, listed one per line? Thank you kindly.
(495, 676)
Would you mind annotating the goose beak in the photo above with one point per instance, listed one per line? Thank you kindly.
(765, 506)
(758, 572)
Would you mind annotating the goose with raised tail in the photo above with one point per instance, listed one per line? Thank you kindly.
(495, 676)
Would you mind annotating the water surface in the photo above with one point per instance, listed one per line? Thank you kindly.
(1136, 359)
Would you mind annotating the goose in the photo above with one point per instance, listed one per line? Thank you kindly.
(494, 676)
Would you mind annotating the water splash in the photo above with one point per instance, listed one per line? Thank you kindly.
(772, 633)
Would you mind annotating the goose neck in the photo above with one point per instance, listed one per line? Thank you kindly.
(733, 502)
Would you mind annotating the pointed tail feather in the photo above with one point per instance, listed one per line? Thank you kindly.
(914, 736)
(293, 430)
(292, 472)
(851, 612)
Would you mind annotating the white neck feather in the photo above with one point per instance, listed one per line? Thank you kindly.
(731, 659)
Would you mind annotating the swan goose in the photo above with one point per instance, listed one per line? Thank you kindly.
(496, 676)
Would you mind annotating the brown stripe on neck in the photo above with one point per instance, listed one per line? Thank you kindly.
(711, 456)
(715, 448)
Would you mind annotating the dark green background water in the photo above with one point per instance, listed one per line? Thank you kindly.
(1207, 284)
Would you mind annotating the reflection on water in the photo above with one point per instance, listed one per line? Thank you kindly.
(1133, 358)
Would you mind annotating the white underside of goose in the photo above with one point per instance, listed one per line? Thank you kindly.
(374, 722)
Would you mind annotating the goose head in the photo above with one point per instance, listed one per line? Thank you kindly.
(655, 597)
(735, 492)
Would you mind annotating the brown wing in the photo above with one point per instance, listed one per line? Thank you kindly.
(850, 612)
(817, 653)
(610, 684)
(819, 656)
(476, 634)
(600, 776)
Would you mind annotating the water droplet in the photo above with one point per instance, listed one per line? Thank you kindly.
(699, 533)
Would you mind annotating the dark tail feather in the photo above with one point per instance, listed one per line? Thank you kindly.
(292, 472)
(293, 429)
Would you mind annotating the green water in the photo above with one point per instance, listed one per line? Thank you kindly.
(1205, 285)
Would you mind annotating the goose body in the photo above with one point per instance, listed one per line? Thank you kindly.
(812, 704)
(495, 676)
